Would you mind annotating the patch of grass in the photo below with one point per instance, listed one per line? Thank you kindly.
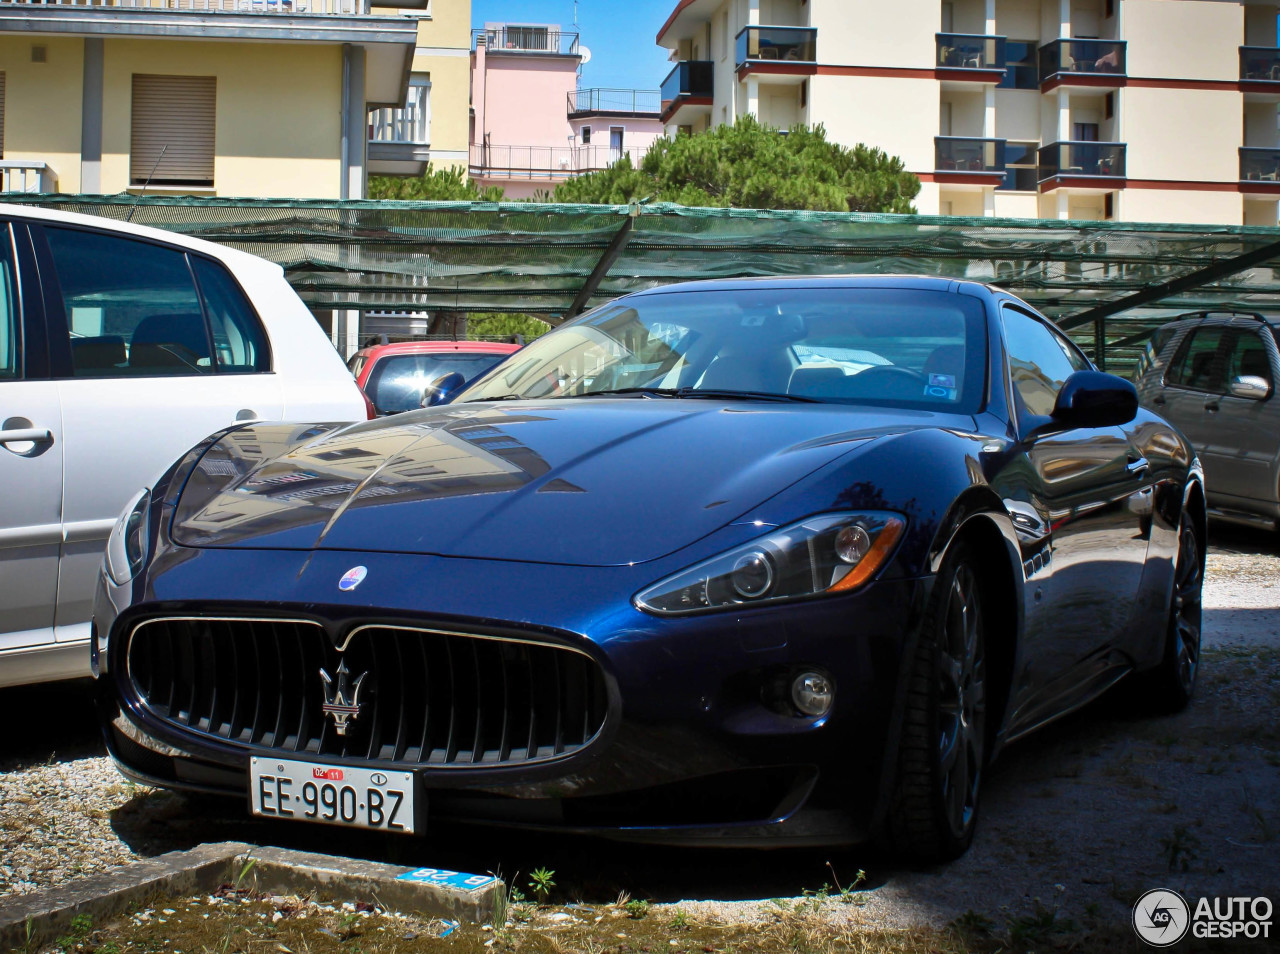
(1038, 927)
(636, 909)
(1180, 849)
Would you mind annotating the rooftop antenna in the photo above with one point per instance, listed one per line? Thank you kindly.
(147, 183)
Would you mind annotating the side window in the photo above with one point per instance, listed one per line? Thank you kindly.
(1196, 364)
(132, 307)
(239, 343)
(1248, 357)
(10, 346)
(1078, 361)
(1039, 364)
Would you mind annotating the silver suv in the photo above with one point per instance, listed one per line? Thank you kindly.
(1213, 376)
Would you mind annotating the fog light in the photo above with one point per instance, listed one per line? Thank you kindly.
(812, 693)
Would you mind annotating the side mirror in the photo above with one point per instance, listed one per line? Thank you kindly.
(1095, 399)
(442, 389)
(1251, 386)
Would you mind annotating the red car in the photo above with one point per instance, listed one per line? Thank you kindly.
(393, 376)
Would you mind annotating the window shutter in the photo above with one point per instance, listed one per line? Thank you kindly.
(173, 115)
(1, 115)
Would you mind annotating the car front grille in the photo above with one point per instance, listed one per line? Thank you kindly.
(424, 697)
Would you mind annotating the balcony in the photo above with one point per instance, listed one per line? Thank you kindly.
(770, 45)
(615, 102)
(399, 138)
(531, 40)
(690, 84)
(552, 163)
(287, 7)
(1260, 170)
(1075, 160)
(27, 175)
(970, 52)
(964, 154)
(1082, 62)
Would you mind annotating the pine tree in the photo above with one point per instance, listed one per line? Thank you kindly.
(433, 185)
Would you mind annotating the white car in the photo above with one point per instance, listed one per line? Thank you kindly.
(120, 348)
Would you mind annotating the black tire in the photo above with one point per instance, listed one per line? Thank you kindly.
(943, 746)
(1168, 688)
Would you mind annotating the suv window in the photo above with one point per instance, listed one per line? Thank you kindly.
(1039, 362)
(239, 342)
(10, 351)
(1248, 356)
(1196, 364)
(132, 307)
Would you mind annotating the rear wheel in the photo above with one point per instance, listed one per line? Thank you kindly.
(1170, 685)
(942, 751)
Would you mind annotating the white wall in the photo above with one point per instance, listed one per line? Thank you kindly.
(1187, 134)
(1167, 38)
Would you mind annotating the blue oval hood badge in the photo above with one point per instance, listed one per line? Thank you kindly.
(352, 578)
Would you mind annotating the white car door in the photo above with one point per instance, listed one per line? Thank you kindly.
(31, 449)
(159, 349)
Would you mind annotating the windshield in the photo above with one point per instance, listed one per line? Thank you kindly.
(397, 381)
(886, 346)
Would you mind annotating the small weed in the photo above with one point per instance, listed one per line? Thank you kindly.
(973, 923)
(849, 893)
(814, 900)
(636, 909)
(1038, 926)
(541, 881)
(1180, 849)
(81, 927)
(679, 920)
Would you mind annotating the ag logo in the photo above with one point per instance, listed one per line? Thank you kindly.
(1161, 917)
(352, 578)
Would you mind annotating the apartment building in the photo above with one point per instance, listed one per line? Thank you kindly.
(1135, 110)
(532, 126)
(258, 98)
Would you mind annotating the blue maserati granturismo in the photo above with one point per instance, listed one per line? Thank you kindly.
(782, 561)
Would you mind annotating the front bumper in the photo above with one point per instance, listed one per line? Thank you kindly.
(694, 747)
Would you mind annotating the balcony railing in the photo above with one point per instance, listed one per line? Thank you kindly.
(346, 7)
(1082, 57)
(547, 162)
(1102, 159)
(970, 51)
(1259, 164)
(411, 124)
(1260, 63)
(965, 154)
(615, 101)
(527, 39)
(766, 44)
(690, 79)
(19, 175)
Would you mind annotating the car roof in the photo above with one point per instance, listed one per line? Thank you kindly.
(926, 282)
(229, 255)
(439, 347)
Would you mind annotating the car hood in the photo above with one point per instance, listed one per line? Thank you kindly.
(595, 482)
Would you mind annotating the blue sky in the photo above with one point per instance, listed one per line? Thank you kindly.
(619, 34)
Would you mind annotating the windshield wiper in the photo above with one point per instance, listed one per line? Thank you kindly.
(613, 392)
(744, 395)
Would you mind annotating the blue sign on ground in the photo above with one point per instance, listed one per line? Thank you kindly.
(448, 879)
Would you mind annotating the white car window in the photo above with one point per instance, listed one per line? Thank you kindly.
(8, 322)
(239, 342)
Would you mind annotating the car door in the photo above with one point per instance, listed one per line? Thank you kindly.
(1240, 459)
(31, 449)
(1192, 381)
(1078, 483)
(151, 360)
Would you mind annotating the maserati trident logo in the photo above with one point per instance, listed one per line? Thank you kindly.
(352, 578)
(341, 701)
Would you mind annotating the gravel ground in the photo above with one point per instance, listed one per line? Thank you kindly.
(1080, 818)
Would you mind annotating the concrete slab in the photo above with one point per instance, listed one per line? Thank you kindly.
(32, 919)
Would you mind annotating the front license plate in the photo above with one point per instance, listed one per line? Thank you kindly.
(332, 794)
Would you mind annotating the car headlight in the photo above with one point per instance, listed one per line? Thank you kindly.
(127, 545)
(829, 553)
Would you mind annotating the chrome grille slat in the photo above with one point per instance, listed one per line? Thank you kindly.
(430, 698)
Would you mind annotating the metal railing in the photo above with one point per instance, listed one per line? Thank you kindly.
(547, 162)
(689, 78)
(1260, 63)
(410, 123)
(968, 154)
(615, 101)
(1259, 163)
(970, 51)
(1082, 57)
(345, 7)
(527, 39)
(25, 175)
(1104, 159)
(770, 43)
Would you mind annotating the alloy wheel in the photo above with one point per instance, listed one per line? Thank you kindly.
(1188, 585)
(962, 702)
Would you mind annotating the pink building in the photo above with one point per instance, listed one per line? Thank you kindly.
(532, 127)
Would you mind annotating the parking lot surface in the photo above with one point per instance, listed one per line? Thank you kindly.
(1078, 819)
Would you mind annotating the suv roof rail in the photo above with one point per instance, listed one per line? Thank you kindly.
(1226, 314)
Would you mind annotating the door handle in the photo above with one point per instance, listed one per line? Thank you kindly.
(1158, 399)
(1137, 466)
(23, 435)
(1211, 404)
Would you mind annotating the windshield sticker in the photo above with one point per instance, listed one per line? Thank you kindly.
(939, 393)
(942, 381)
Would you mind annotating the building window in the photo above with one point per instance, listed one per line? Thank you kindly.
(1109, 9)
(1021, 69)
(172, 141)
(804, 94)
(1020, 167)
(586, 135)
(1109, 205)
